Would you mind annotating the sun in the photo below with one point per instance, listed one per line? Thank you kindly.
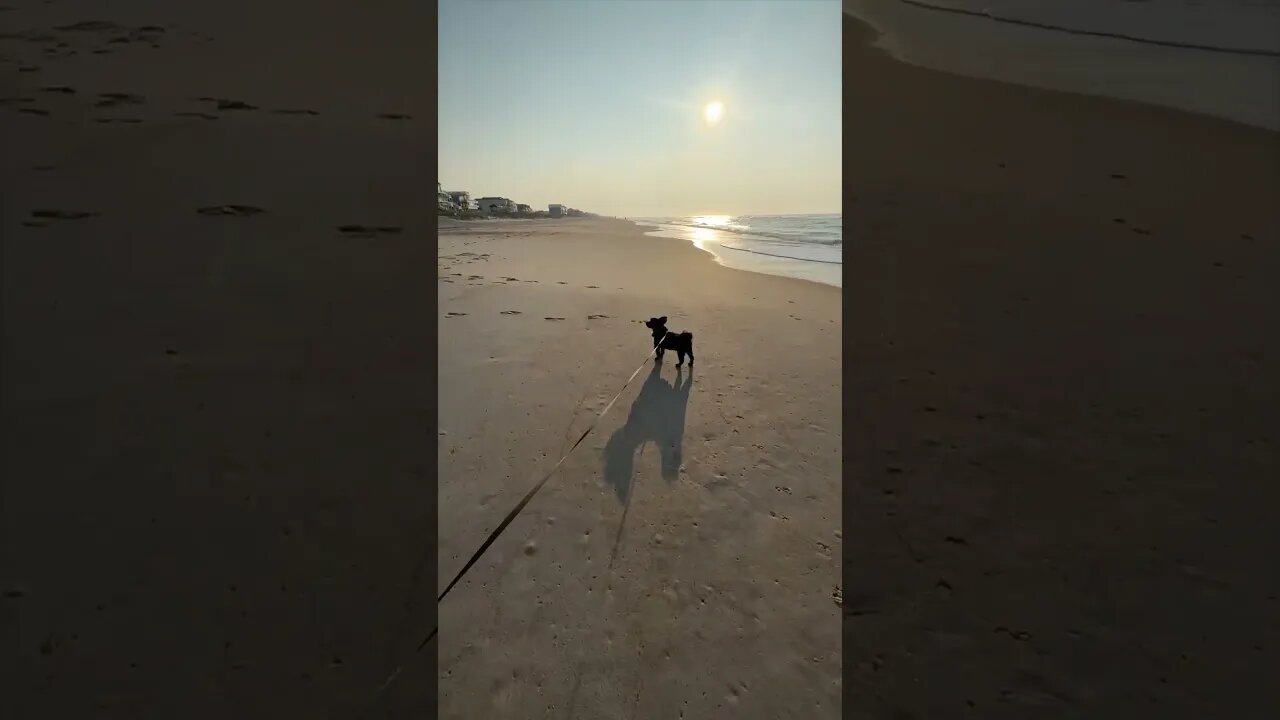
(713, 112)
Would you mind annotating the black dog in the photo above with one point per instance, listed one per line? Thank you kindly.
(664, 339)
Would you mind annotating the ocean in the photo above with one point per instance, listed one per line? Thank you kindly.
(808, 247)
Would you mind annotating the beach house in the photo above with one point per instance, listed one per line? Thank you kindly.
(491, 205)
(555, 210)
(443, 201)
(523, 209)
(461, 199)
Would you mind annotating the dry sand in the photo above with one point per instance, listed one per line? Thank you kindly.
(1062, 383)
(684, 562)
(217, 439)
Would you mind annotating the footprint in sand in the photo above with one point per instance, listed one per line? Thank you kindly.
(62, 214)
(1019, 635)
(593, 287)
(34, 111)
(365, 231)
(61, 89)
(1141, 231)
(597, 317)
(454, 314)
(88, 26)
(561, 282)
(511, 312)
(553, 318)
(126, 121)
(202, 116)
(394, 116)
(289, 111)
(237, 210)
(112, 99)
(235, 105)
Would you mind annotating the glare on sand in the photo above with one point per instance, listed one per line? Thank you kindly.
(713, 112)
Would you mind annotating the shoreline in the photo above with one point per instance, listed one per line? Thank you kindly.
(1093, 33)
(821, 272)
(652, 231)
(1230, 86)
(758, 268)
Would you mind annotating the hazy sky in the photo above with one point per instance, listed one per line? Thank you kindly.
(599, 104)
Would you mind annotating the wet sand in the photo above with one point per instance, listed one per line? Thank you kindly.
(1230, 85)
(1061, 453)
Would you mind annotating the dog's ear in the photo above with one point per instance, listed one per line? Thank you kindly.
(662, 320)
(650, 322)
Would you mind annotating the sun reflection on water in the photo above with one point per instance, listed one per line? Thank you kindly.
(701, 236)
(712, 220)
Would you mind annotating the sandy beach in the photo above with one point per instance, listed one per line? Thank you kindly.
(217, 427)
(1062, 391)
(698, 523)
(217, 338)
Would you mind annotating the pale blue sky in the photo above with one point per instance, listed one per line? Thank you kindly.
(598, 104)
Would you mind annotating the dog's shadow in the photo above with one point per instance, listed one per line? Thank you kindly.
(656, 416)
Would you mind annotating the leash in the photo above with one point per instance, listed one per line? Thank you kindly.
(516, 511)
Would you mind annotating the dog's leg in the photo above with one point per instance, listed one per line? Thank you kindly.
(690, 354)
(680, 356)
